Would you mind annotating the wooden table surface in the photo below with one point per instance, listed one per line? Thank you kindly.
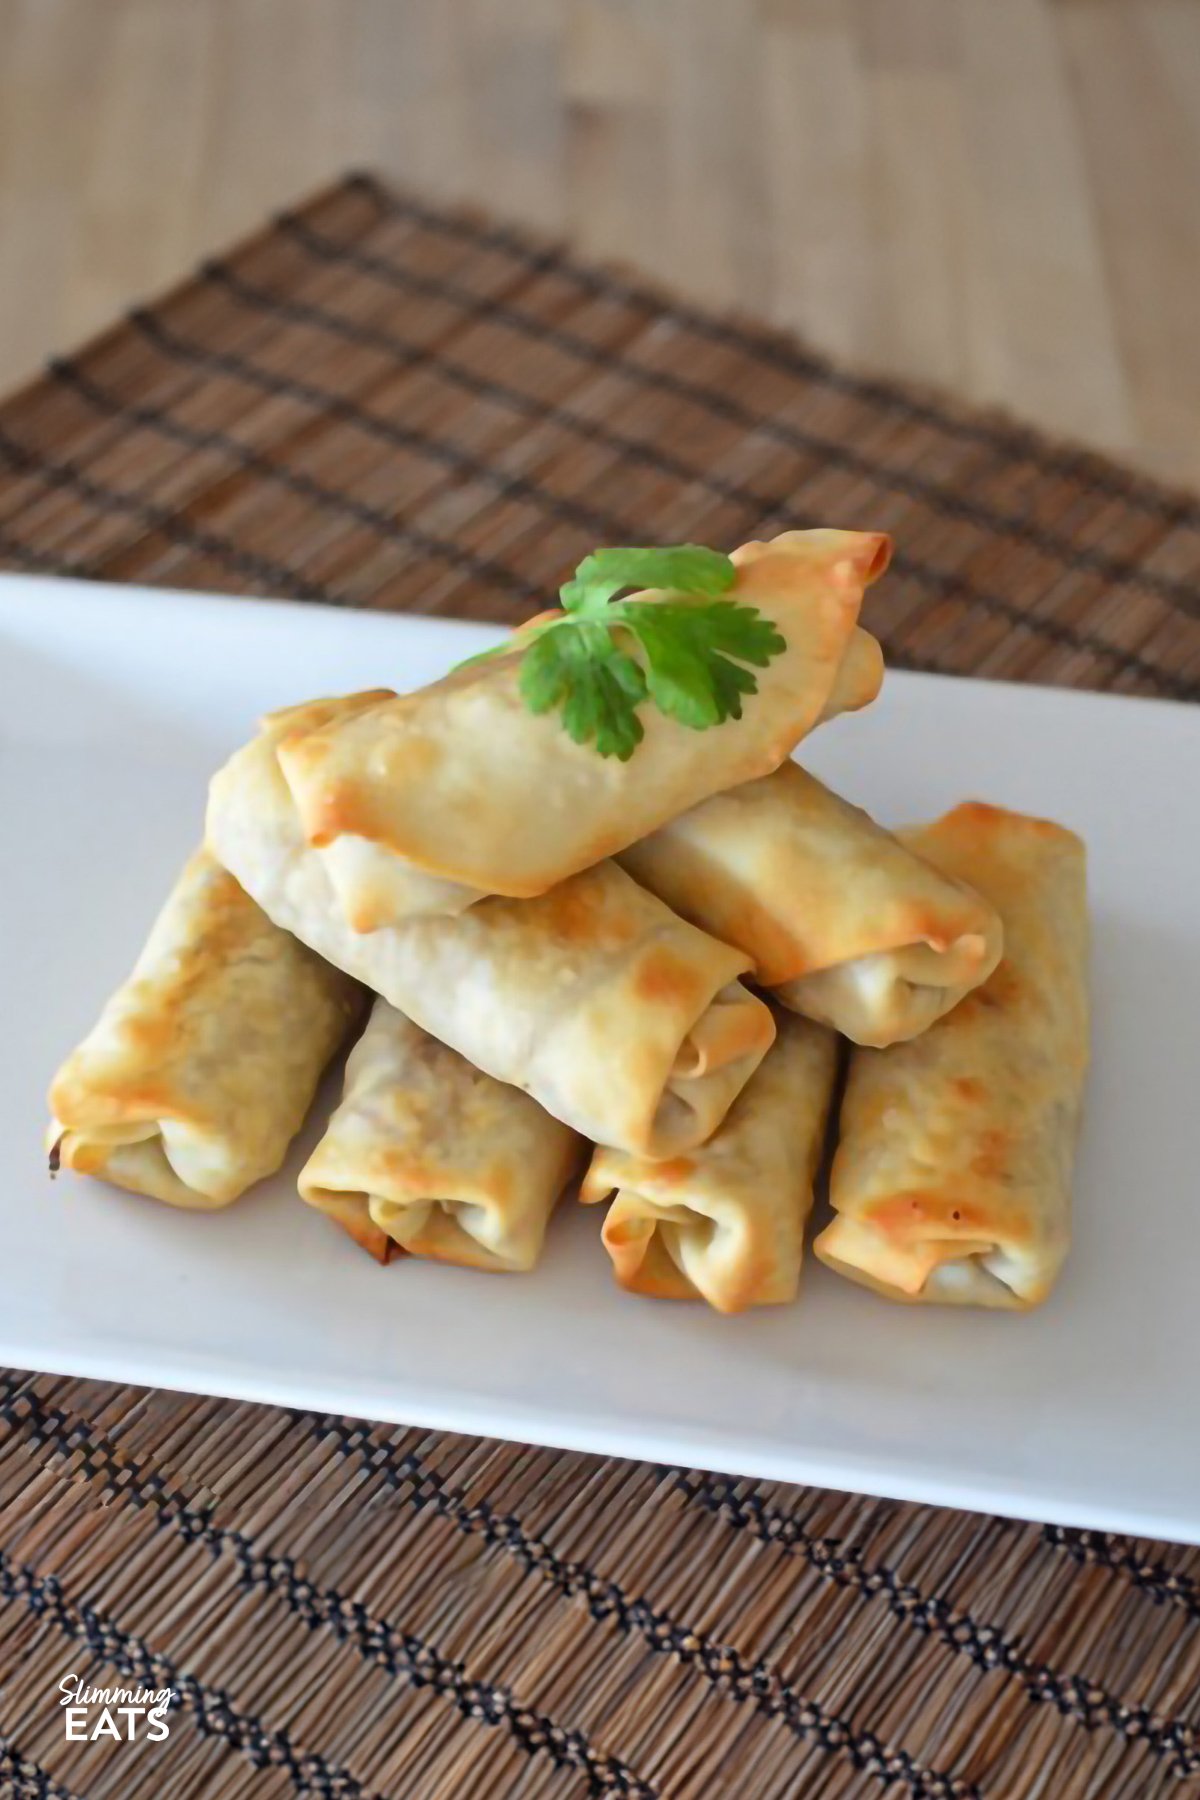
(379, 405)
(998, 196)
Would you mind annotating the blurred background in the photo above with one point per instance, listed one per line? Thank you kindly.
(1001, 197)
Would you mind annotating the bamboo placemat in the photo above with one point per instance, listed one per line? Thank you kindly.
(377, 404)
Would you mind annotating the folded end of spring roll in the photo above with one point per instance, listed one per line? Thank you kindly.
(351, 1212)
(414, 779)
(888, 996)
(718, 1057)
(691, 1035)
(845, 922)
(636, 1234)
(427, 1153)
(952, 1177)
(852, 560)
(142, 1158)
(948, 1267)
(592, 998)
(859, 677)
(725, 1223)
(202, 1065)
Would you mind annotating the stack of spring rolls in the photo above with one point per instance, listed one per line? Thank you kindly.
(658, 972)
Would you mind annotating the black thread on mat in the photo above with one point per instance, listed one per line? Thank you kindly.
(386, 525)
(724, 1668)
(722, 1665)
(407, 1657)
(63, 473)
(988, 520)
(757, 506)
(23, 1779)
(1074, 1696)
(948, 586)
(213, 1711)
(777, 349)
(486, 387)
(1161, 1584)
(462, 464)
(95, 1459)
(486, 568)
(34, 562)
(14, 1383)
(401, 1654)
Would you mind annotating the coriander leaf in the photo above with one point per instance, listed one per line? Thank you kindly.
(693, 644)
(683, 569)
(600, 707)
(545, 677)
(729, 628)
(730, 682)
(688, 650)
(677, 674)
(597, 685)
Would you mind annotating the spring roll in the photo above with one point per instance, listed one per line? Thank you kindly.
(623, 1021)
(461, 784)
(374, 886)
(859, 677)
(952, 1178)
(202, 1065)
(436, 1157)
(726, 1222)
(843, 921)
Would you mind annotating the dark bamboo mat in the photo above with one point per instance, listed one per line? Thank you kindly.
(377, 404)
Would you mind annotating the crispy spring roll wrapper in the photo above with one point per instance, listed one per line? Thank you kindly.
(859, 677)
(857, 682)
(462, 783)
(203, 1064)
(351, 1212)
(725, 1223)
(622, 1020)
(437, 1157)
(952, 1178)
(374, 886)
(844, 921)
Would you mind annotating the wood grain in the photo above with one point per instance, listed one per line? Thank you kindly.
(380, 404)
(1000, 199)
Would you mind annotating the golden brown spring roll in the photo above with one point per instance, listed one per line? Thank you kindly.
(437, 1157)
(846, 923)
(952, 1178)
(726, 1222)
(350, 1212)
(859, 677)
(621, 1020)
(201, 1067)
(462, 785)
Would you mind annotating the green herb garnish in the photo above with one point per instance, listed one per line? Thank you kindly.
(694, 656)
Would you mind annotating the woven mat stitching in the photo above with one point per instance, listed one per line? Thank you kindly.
(27, 1780)
(1078, 1697)
(1172, 1742)
(1024, 448)
(64, 473)
(777, 347)
(605, 525)
(759, 507)
(723, 1666)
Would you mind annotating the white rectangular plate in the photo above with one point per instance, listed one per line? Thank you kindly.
(116, 704)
